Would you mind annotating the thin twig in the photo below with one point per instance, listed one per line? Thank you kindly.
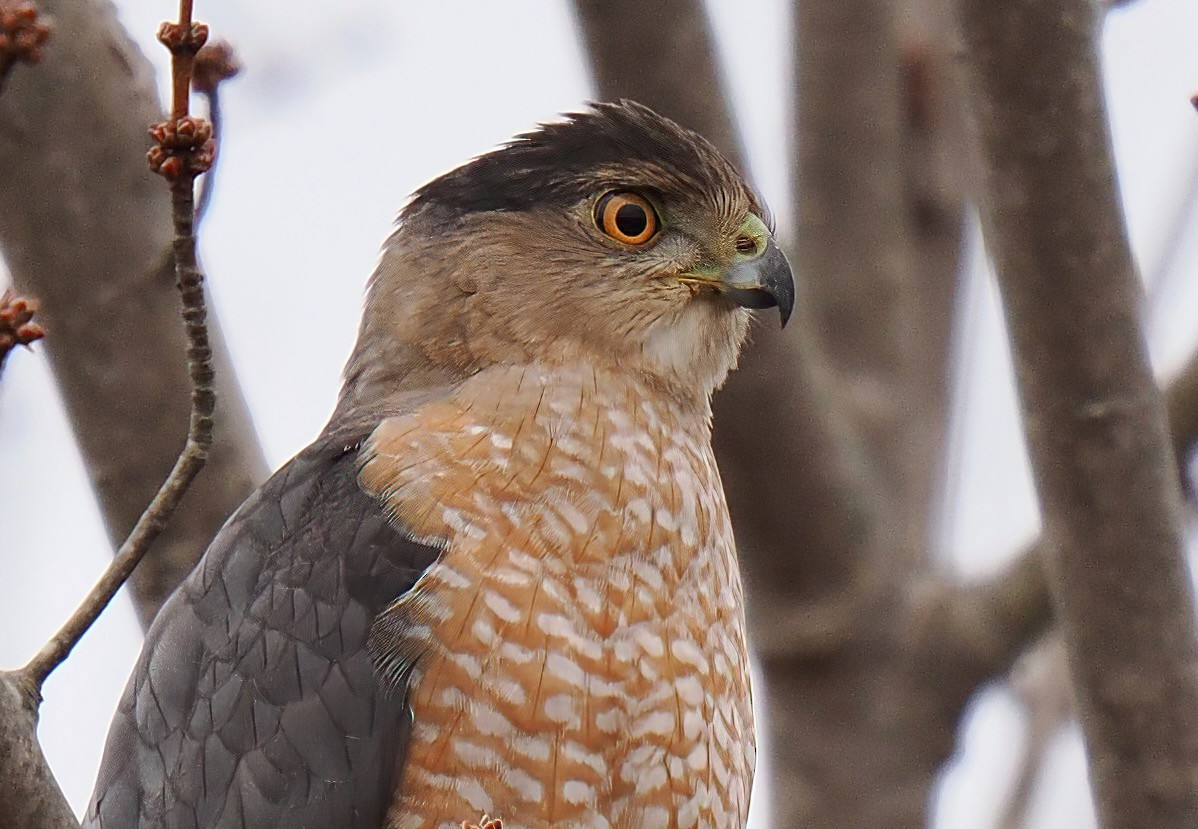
(183, 151)
(214, 65)
(1041, 684)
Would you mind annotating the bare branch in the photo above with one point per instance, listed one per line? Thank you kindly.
(851, 214)
(32, 798)
(1041, 684)
(183, 151)
(1094, 418)
(939, 163)
(965, 635)
(981, 629)
(683, 82)
(86, 228)
(215, 64)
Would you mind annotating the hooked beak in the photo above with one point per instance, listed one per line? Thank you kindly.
(764, 281)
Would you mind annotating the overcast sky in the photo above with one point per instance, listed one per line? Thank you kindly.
(366, 99)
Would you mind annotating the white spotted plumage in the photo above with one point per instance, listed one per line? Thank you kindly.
(587, 666)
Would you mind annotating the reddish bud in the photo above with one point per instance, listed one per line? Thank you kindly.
(173, 37)
(172, 167)
(23, 32)
(215, 63)
(16, 322)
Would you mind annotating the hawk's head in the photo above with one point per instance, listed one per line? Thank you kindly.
(615, 232)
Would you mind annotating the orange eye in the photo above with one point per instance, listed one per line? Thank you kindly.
(626, 217)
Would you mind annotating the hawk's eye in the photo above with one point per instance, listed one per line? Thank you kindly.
(626, 217)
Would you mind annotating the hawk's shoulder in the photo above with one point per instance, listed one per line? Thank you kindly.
(255, 702)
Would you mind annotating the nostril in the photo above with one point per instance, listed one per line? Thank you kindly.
(746, 244)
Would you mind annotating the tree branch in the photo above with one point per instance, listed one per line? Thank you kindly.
(183, 151)
(965, 635)
(86, 229)
(1041, 684)
(850, 209)
(1094, 418)
(986, 626)
(33, 799)
(939, 163)
(684, 81)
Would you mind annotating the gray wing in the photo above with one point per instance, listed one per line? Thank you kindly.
(254, 704)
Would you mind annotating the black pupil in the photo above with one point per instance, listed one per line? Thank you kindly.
(632, 220)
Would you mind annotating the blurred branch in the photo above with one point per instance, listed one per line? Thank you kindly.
(981, 629)
(215, 64)
(850, 210)
(683, 82)
(940, 167)
(1181, 403)
(966, 635)
(1041, 684)
(94, 249)
(1094, 418)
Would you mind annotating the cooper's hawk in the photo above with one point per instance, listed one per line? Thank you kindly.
(503, 579)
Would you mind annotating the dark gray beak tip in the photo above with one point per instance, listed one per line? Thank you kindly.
(764, 282)
(781, 282)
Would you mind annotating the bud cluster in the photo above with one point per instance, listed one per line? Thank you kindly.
(182, 147)
(16, 322)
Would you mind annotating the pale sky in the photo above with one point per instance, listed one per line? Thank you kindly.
(367, 99)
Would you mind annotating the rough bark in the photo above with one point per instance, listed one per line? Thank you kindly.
(1095, 420)
(85, 228)
(29, 795)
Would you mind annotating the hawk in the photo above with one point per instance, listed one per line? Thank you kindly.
(502, 581)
